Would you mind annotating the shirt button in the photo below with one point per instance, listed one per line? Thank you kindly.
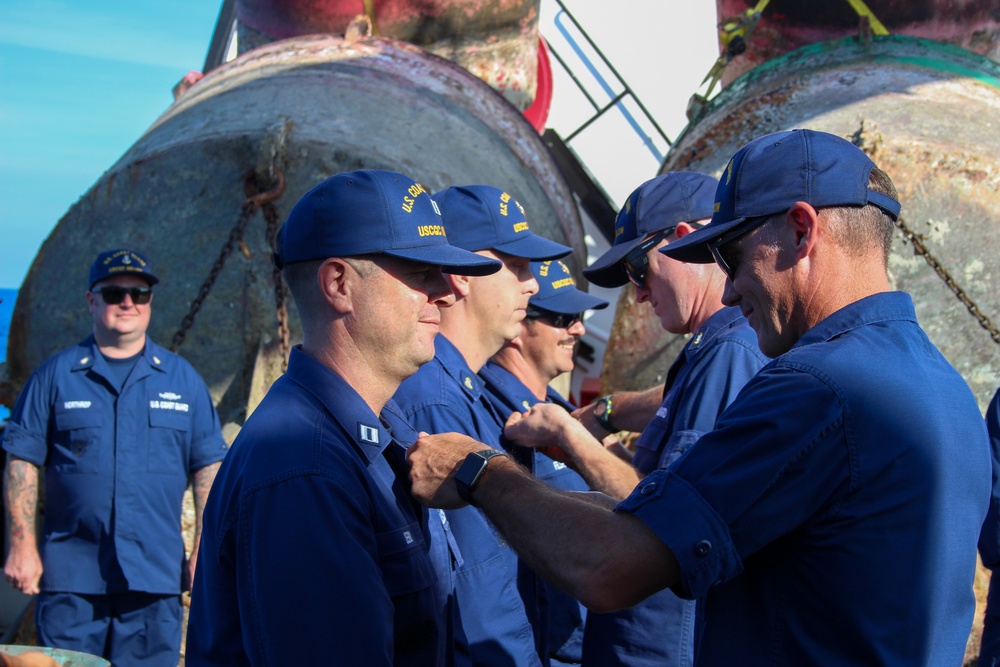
(703, 548)
(648, 489)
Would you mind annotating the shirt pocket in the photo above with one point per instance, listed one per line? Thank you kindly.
(404, 560)
(650, 445)
(169, 433)
(679, 444)
(77, 444)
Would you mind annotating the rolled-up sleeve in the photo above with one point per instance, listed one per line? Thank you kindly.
(208, 445)
(26, 433)
(761, 473)
(701, 542)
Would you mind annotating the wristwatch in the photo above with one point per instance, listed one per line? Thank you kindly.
(602, 412)
(471, 471)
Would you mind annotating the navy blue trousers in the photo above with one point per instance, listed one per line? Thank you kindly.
(129, 629)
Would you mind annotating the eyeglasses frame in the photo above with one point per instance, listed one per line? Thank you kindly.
(636, 262)
(140, 295)
(732, 236)
(553, 318)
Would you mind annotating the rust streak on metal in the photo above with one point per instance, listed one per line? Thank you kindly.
(261, 198)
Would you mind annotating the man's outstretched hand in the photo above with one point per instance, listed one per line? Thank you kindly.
(434, 460)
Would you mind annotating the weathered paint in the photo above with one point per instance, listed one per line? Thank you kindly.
(496, 40)
(788, 25)
(929, 113)
(311, 107)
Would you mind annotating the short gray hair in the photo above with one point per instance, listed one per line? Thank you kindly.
(859, 229)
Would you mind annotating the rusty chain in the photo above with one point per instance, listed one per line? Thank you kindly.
(869, 139)
(919, 248)
(280, 291)
(255, 199)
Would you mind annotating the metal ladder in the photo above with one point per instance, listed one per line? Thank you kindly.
(593, 198)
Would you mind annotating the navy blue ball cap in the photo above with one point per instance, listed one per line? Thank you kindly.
(557, 290)
(121, 262)
(657, 204)
(373, 212)
(482, 217)
(773, 172)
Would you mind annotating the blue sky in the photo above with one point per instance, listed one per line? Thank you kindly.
(79, 84)
(81, 80)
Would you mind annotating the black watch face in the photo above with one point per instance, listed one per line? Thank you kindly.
(469, 470)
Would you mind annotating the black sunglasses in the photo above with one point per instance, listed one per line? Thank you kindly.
(728, 258)
(637, 260)
(558, 320)
(115, 294)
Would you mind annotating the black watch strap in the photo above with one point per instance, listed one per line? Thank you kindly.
(602, 412)
(471, 471)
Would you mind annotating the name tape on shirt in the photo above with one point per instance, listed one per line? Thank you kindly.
(169, 405)
(168, 401)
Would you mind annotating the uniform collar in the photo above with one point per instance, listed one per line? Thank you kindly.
(881, 307)
(90, 354)
(719, 321)
(89, 357)
(505, 385)
(342, 402)
(455, 366)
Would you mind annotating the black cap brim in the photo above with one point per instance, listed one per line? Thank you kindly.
(693, 248)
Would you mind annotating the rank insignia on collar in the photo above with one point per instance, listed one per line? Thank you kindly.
(368, 434)
(525, 405)
(697, 339)
(84, 360)
(468, 383)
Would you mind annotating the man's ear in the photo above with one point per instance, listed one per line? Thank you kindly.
(685, 228)
(804, 221)
(333, 280)
(460, 285)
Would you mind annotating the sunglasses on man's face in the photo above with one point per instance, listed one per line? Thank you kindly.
(637, 261)
(115, 294)
(558, 320)
(726, 249)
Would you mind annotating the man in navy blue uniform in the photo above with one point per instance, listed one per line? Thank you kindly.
(518, 377)
(832, 515)
(989, 546)
(502, 616)
(121, 426)
(718, 359)
(313, 551)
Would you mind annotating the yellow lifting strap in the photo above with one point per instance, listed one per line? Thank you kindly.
(369, 6)
(862, 10)
(733, 35)
(733, 39)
